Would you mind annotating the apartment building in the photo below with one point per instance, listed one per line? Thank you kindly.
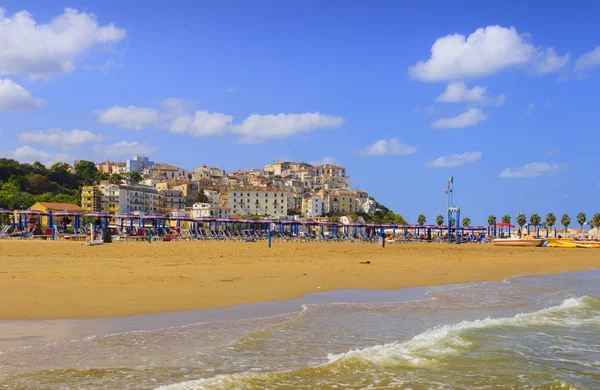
(189, 191)
(332, 170)
(138, 164)
(165, 171)
(116, 199)
(174, 199)
(200, 210)
(259, 201)
(312, 206)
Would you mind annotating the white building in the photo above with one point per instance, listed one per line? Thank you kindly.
(258, 201)
(200, 210)
(312, 206)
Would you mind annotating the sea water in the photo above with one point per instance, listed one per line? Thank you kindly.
(535, 332)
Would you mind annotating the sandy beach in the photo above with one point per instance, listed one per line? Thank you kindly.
(49, 280)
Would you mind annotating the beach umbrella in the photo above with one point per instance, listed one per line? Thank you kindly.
(5, 211)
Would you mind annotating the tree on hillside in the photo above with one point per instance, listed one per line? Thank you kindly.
(135, 177)
(506, 219)
(550, 220)
(491, 220)
(581, 220)
(116, 178)
(521, 220)
(334, 219)
(466, 222)
(38, 184)
(565, 221)
(421, 220)
(439, 220)
(101, 176)
(86, 170)
(201, 198)
(535, 220)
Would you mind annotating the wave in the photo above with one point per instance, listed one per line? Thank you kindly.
(424, 349)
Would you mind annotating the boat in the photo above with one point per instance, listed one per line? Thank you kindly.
(518, 242)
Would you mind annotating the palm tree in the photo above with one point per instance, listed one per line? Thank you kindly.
(596, 221)
(452, 222)
(521, 220)
(581, 219)
(439, 220)
(565, 221)
(491, 220)
(421, 220)
(550, 220)
(506, 219)
(535, 220)
(466, 222)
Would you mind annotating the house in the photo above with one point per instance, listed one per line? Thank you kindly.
(52, 207)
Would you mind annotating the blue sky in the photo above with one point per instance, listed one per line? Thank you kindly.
(506, 103)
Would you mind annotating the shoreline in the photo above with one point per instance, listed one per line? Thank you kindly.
(58, 280)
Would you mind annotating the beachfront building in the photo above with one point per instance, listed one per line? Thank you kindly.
(116, 199)
(174, 199)
(53, 207)
(341, 201)
(200, 210)
(138, 164)
(312, 206)
(258, 201)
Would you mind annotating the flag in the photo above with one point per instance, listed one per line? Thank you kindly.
(451, 180)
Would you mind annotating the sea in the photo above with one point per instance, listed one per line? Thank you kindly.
(526, 332)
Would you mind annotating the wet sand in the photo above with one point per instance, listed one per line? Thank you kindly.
(49, 280)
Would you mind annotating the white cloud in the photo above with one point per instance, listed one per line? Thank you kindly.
(470, 117)
(325, 160)
(454, 160)
(105, 67)
(177, 116)
(533, 169)
(125, 148)
(131, 117)
(260, 127)
(383, 147)
(486, 51)
(529, 111)
(551, 152)
(588, 60)
(41, 50)
(57, 137)
(27, 154)
(457, 92)
(14, 97)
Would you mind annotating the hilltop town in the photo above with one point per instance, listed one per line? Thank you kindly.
(279, 190)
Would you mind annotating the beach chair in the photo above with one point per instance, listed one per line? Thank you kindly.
(4, 232)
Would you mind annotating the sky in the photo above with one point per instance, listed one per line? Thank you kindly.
(500, 96)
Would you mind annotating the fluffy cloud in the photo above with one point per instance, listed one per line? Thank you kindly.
(383, 147)
(486, 51)
(454, 160)
(57, 137)
(131, 117)
(529, 111)
(125, 148)
(471, 117)
(589, 60)
(42, 50)
(259, 127)
(177, 116)
(14, 97)
(27, 154)
(457, 92)
(533, 169)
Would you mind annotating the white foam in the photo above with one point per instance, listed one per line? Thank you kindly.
(423, 349)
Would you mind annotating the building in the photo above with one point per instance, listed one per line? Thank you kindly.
(174, 199)
(312, 206)
(116, 199)
(105, 167)
(200, 210)
(341, 201)
(138, 164)
(164, 171)
(189, 191)
(52, 207)
(258, 201)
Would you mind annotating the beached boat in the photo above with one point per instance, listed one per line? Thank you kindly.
(518, 242)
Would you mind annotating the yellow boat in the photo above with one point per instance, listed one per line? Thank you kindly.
(566, 243)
